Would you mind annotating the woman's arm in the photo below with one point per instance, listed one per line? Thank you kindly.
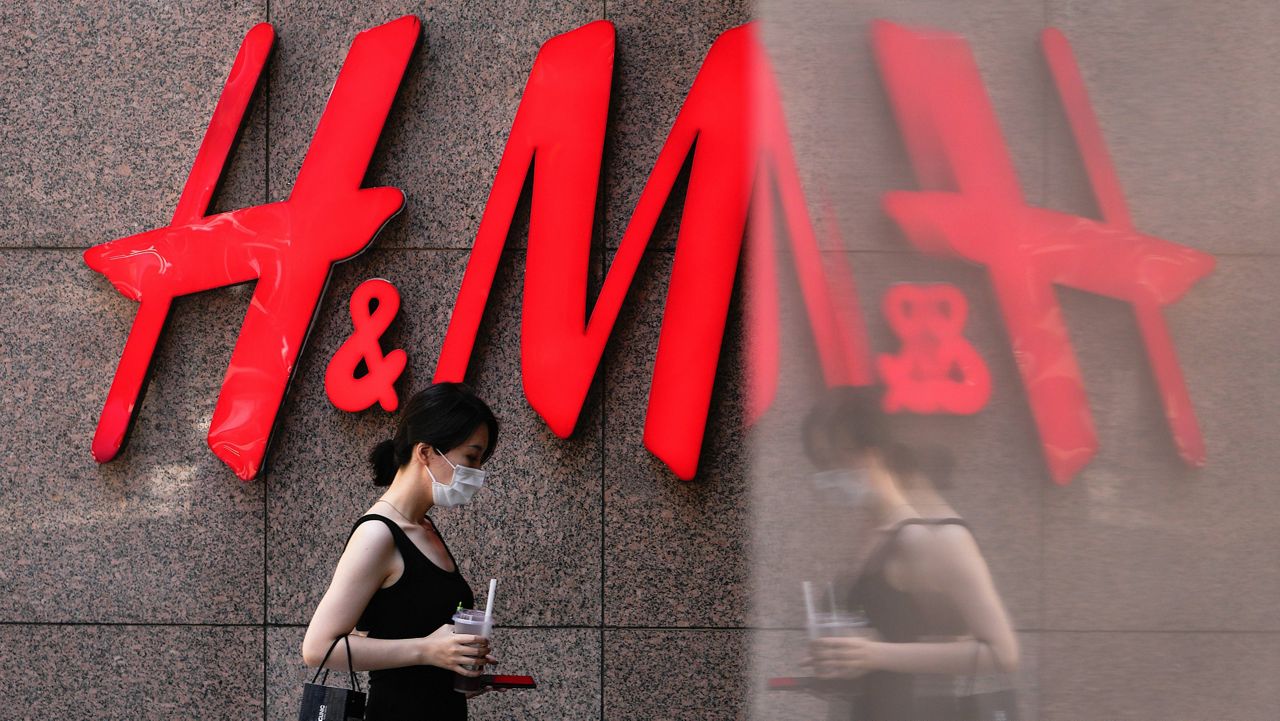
(963, 576)
(363, 568)
(945, 561)
(850, 657)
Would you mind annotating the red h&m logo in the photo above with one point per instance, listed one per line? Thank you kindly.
(288, 247)
(732, 131)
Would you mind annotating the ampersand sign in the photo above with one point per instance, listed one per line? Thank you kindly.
(936, 371)
(377, 385)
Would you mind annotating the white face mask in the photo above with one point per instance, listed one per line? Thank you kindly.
(466, 481)
(851, 485)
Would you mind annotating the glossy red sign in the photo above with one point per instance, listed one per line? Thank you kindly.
(287, 247)
(373, 306)
(731, 132)
(936, 370)
(558, 134)
(971, 207)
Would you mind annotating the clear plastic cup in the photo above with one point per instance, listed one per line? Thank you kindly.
(838, 623)
(469, 621)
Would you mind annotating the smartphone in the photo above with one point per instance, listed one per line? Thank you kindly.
(508, 681)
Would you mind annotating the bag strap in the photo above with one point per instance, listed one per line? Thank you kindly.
(355, 682)
(973, 673)
(1005, 676)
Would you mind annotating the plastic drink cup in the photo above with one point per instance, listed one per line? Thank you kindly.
(471, 622)
(838, 623)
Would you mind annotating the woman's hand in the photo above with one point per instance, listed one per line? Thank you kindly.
(453, 651)
(843, 657)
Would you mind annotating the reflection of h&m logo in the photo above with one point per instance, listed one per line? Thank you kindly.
(731, 134)
(970, 206)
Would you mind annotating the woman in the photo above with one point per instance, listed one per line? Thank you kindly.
(924, 586)
(396, 582)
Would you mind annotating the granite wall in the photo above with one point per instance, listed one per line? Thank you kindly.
(160, 586)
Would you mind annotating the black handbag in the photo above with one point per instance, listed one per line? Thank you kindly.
(332, 703)
(1001, 705)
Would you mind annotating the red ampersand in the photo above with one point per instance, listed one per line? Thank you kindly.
(377, 385)
(286, 248)
(937, 371)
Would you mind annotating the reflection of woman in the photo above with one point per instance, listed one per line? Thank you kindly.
(397, 582)
(924, 587)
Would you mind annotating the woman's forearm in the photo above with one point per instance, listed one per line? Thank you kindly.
(368, 654)
(954, 657)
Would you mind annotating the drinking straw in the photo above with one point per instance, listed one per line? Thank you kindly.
(488, 607)
(809, 609)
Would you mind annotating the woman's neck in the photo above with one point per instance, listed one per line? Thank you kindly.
(890, 515)
(408, 496)
(891, 505)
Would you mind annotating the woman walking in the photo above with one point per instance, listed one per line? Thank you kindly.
(397, 584)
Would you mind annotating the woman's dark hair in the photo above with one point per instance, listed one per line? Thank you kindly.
(442, 415)
(849, 418)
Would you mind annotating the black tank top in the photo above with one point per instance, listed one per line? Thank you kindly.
(420, 601)
(902, 617)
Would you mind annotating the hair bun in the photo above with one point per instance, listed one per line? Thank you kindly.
(383, 460)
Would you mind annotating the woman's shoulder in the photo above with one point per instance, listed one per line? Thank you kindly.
(953, 533)
(926, 541)
(372, 531)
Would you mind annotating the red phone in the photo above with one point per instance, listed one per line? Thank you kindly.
(791, 683)
(508, 681)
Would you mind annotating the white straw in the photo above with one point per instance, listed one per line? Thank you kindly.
(488, 607)
(809, 609)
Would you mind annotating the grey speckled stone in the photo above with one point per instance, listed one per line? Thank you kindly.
(1189, 114)
(164, 533)
(105, 108)
(642, 681)
(450, 123)
(847, 143)
(564, 662)
(536, 525)
(1153, 676)
(675, 551)
(660, 48)
(131, 672)
(1139, 541)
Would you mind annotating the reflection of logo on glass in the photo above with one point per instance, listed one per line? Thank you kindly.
(969, 206)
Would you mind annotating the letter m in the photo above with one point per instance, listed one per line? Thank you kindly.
(732, 114)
